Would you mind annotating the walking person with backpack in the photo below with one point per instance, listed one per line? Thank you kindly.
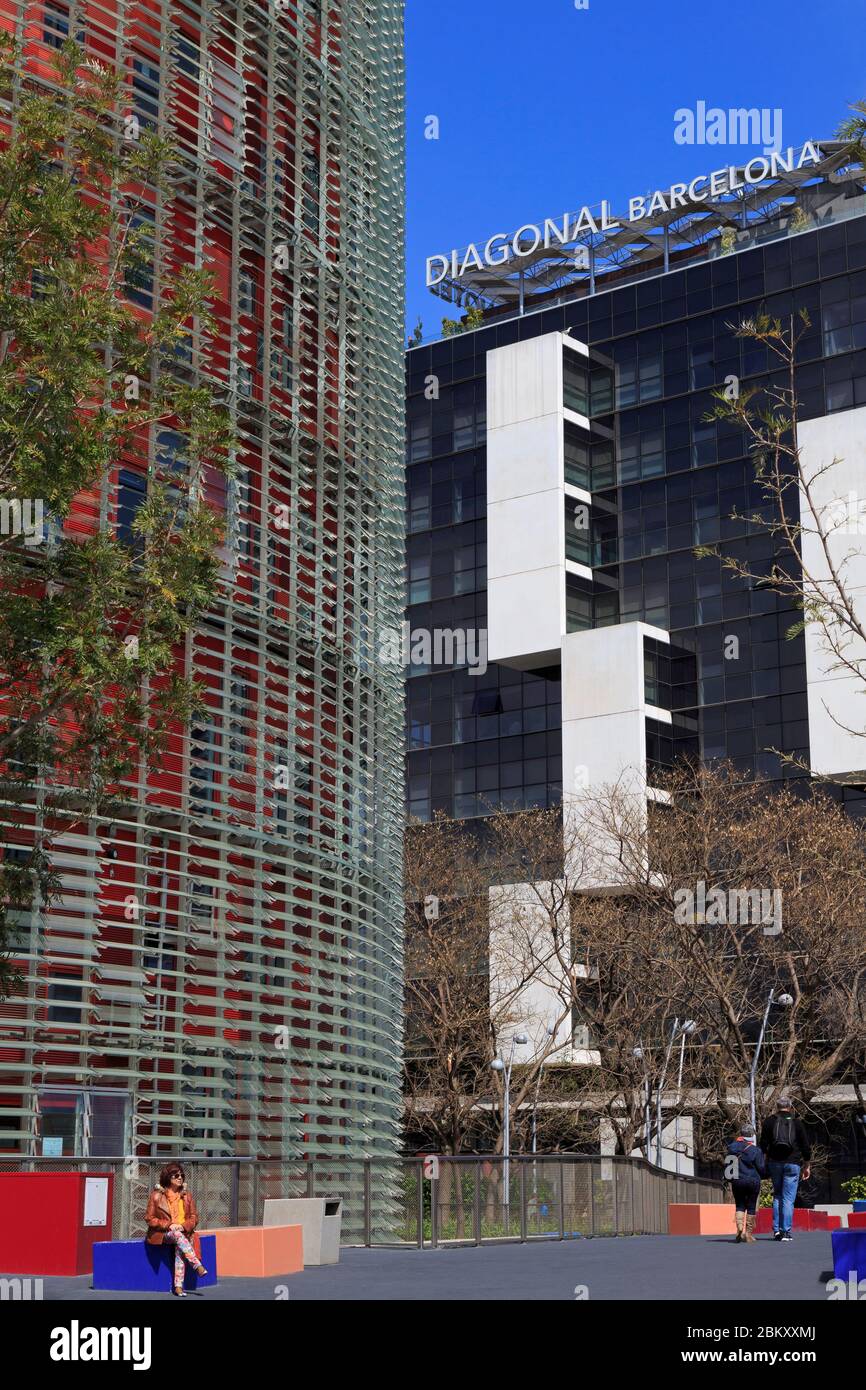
(746, 1168)
(786, 1145)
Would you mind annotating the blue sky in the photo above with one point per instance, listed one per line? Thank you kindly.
(543, 108)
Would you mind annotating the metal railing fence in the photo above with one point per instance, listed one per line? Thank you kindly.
(474, 1200)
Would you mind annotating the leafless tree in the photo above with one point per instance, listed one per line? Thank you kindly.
(729, 888)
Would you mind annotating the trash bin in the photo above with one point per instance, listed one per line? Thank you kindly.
(320, 1218)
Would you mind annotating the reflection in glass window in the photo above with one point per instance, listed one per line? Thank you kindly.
(603, 466)
(578, 532)
(138, 275)
(131, 492)
(145, 93)
(464, 427)
(575, 385)
(226, 114)
(577, 458)
(578, 606)
(602, 391)
(246, 292)
(55, 30)
(420, 438)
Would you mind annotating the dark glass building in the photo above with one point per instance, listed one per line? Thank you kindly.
(659, 323)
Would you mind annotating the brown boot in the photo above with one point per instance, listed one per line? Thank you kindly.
(749, 1236)
(741, 1218)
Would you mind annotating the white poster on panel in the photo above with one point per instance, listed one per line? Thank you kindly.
(95, 1201)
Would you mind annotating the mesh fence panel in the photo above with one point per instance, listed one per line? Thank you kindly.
(388, 1202)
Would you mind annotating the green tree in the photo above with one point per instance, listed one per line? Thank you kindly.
(90, 624)
(853, 130)
(473, 318)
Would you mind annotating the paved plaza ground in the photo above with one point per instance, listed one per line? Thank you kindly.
(711, 1268)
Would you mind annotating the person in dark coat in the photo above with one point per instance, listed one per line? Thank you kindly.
(746, 1169)
(786, 1144)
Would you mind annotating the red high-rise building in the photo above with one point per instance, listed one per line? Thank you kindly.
(220, 973)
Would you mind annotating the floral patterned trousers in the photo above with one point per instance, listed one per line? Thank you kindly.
(184, 1250)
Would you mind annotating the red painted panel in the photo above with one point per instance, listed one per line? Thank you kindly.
(43, 1229)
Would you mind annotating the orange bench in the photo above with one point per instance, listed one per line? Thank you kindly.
(258, 1252)
(700, 1219)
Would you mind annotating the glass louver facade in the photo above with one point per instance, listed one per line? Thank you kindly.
(252, 1004)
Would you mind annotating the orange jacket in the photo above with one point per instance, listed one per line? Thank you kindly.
(158, 1215)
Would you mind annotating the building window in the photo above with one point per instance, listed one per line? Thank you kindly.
(843, 317)
(84, 1123)
(201, 908)
(186, 55)
(578, 532)
(281, 370)
(145, 93)
(578, 472)
(641, 456)
(154, 956)
(131, 492)
(227, 115)
(639, 377)
(57, 25)
(578, 605)
(246, 292)
(464, 427)
(65, 1002)
(203, 755)
(701, 365)
(606, 610)
(419, 505)
(311, 191)
(138, 277)
(420, 438)
(650, 374)
(575, 385)
(419, 579)
(602, 392)
(239, 728)
(603, 466)
(171, 451)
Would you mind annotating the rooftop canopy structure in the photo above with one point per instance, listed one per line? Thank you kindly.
(580, 253)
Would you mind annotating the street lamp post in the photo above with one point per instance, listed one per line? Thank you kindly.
(640, 1054)
(688, 1026)
(519, 1039)
(549, 1032)
(785, 1001)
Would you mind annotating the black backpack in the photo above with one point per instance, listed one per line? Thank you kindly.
(784, 1136)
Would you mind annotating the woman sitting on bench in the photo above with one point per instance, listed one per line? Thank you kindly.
(171, 1219)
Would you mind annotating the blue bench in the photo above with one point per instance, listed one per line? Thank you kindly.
(135, 1266)
(849, 1254)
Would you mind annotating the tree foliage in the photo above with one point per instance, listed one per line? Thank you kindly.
(92, 614)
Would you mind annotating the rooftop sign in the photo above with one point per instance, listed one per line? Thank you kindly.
(529, 239)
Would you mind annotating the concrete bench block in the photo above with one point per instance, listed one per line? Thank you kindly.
(849, 1254)
(135, 1266)
(258, 1252)
(701, 1219)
